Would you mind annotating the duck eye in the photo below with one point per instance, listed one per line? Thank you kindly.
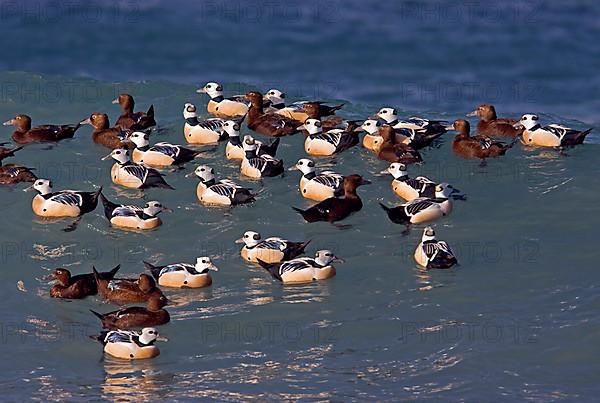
(202, 169)
(368, 124)
(117, 152)
(205, 261)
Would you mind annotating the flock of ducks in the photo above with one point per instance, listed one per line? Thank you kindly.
(137, 164)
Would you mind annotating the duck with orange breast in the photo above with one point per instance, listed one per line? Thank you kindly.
(222, 193)
(304, 269)
(220, 106)
(270, 250)
(126, 173)
(235, 149)
(325, 144)
(130, 120)
(130, 345)
(275, 102)
(413, 188)
(318, 187)
(133, 217)
(553, 135)
(423, 209)
(161, 154)
(196, 131)
(432, 253)
(258, 166)
(64, 203)
(372, 140)
(184, 275)
(25, 134)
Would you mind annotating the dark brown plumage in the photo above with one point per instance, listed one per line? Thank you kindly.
(152, 315)
(395, 152)
(25, 134)
(478, 147)
(269, 124)
(103, 134)
(130, 120)
(336, 209)
(79, 286)
(122, 291)
(316, 110)
(490, 125)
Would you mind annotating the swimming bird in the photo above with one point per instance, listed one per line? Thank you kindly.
(553, 135)
(130, 120)
(423, 209)
(220, 106)
(432, 253)
(63, 203)
(336, 209)
(270, 250)
(478, 147)
(269, 124)
(130, 345)
(425, 127)
(123, 291)
(184, 275)
(6, 152)
(134, 317)
(412, 188)
(318, 187)
(304, 269)
(372, 140)
(224, 192)
(391, 151)
(275, 100)
(133, 217)
(324, 144)
(78, 286)
(25, 134)
(126, 173)
(235, 150)
(196, 131)
(491, 125)
(104, 135)
(161, 154)
(13, 173)
(258, 166)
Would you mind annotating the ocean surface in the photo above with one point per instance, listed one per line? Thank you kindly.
(518, 319)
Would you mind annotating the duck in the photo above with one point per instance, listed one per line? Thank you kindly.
(413, 188)
(133, 217)
(14, 173)
(391, 151)
(78, 286)
(422, 209)
(304, 269)
(325, 144)
(268, 124)
(372, 140)
(123, 291)
(134, 317)
(184, 275)
(220, 106)
(130, 345)
(25, 134)
(275, 102)
(64, 203)
(270, 250)
(196, 131)
(104, 135)
(161, 154)
(223, 193)
(126, 173)
(234, 150)
(130, 120)
(336, 209)
(491, 125)
(553, 135)
(478, 147)
(432, 253)
(318, 187)
(6, 152)
(255, 166)
(425, 127)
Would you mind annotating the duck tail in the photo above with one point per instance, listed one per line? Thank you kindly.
(96, 194)
(113, 272)
(12, 152)
(150, 112)
(272, 147)
(384, 207)
(581, 136)
(272, 268)
(155, 271)
(335, 108)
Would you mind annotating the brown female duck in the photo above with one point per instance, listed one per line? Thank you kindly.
(13, 173)
(130, 120)
(25, 134)
(152, 315)
(122, 291)
(79, 286)
(491, 125)
(391, 151)
(103, 134)
(477, 147)
(269, 124)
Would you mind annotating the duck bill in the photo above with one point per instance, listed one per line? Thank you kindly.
(365, 182)
(474, 113)
(241, 240)
(293, 168)
(518, 125)
(106, 157)
(166, 209)
(115, 101)
(359, 129)
(201, 91)
(9, 122)
(213, 267)
(385, 172)
(449, 128)
(303, 127)
(190, 175)
(29, 189)
(87, 121)
(338, 260)
(458, 195)
(162, 338)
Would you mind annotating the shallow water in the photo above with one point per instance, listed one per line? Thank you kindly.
(516, 320)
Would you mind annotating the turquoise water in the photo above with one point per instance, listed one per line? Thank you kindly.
(518, 319)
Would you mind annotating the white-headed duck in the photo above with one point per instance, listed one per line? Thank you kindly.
(161, 154)
(133, 217)
(258, 166)
(304, 269)
(315, 186)
(332, 142)
(412, 188)
(432, 253)
(553, 135)
(126, 173)
(184, 275)
(130, 345)
(235, 150)
(63, 203)
(220, 106)
(270, 250)
(222, 193)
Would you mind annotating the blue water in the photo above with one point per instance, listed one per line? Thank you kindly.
(518, 319)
